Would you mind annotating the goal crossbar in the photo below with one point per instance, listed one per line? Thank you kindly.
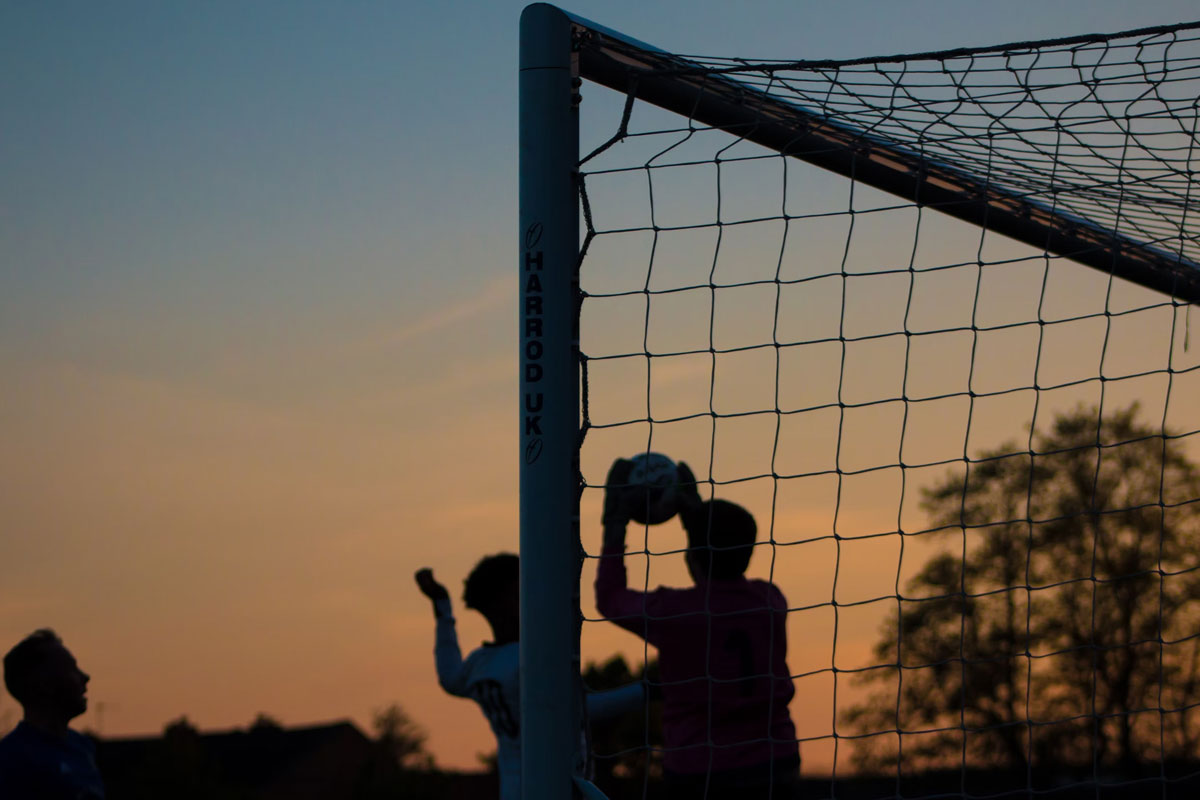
(718, 100)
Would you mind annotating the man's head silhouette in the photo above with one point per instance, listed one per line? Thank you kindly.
(42, 675)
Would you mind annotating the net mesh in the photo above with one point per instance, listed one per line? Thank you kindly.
(972, 460)
(1101, 129)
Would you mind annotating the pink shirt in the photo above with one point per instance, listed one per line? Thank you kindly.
(722, 651)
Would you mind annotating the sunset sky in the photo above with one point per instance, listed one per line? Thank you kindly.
(258, 333)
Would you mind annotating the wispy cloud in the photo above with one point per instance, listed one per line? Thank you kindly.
(496, 292)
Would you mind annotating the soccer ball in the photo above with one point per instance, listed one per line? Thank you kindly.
(653, 489)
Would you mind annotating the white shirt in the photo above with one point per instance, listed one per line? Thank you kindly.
(490, 676)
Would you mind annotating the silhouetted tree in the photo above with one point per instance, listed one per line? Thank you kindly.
(490, 761)
(181, 768)
(1062, 619)
(399, 765)
(264, 723)
(402, 738)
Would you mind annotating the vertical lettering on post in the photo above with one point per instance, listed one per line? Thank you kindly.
(532, 344)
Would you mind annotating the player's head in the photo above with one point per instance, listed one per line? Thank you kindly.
(42, 675)
(721, 538)
(493, 588)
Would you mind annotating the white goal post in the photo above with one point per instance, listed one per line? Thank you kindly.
(549, 403)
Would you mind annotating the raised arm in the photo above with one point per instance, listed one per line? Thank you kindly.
(613, 598)
(446, 653)
(611, 703)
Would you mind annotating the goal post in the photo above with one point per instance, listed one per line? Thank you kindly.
(549, 405)
(888, 305)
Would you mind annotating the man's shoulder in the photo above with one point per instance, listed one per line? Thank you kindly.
(25, 743)
(6, 739)
(34, 765)
(18, 741)
(668, 600)
(23, 754)
(495, 659)
(676, 600)
(770, 589)
(81, 741)
(744, 593)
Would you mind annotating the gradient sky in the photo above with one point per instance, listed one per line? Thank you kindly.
(257, 317)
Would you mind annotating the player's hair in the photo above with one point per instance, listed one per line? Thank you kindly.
(721, 539)
(26, 660)
(491, 575)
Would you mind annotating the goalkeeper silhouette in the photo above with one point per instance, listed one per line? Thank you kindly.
(490, 674)
(722, 650)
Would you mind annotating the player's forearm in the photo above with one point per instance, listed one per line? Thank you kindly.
(605, 705)
(446, 654)
(442, 608)
(610, 574)
(613, 598)
(614, 536)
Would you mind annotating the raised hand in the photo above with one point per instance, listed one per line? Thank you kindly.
(429, 585)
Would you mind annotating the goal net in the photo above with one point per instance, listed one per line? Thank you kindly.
(925, 317)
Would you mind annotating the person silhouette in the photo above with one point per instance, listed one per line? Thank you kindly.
(42, 758)
(490, 674)
(722, 649)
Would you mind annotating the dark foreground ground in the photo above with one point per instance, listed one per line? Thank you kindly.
(1180, 782)
(337, 762)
